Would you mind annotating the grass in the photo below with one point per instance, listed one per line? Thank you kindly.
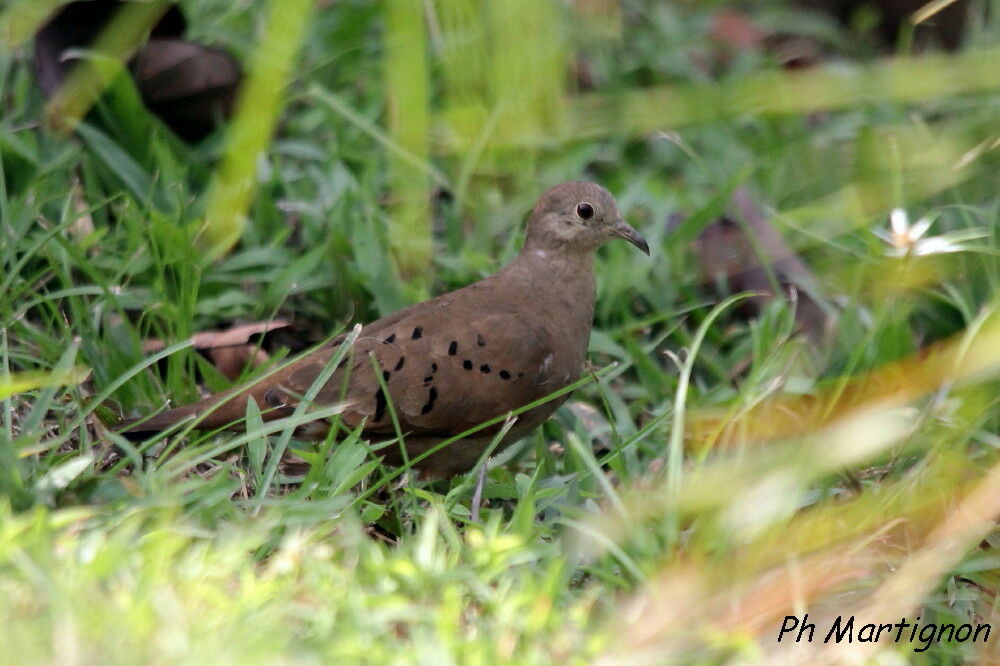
(711, 477)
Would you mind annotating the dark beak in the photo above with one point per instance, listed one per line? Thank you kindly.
(622, 229)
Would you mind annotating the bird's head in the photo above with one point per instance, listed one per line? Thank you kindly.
(578, 217)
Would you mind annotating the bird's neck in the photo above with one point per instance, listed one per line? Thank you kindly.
(555, 269)
(561, 281)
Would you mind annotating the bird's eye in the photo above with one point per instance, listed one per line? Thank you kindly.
(584, 211)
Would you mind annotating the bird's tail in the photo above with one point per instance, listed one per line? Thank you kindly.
(213, 412)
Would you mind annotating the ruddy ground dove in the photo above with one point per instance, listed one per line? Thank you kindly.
(456, 361)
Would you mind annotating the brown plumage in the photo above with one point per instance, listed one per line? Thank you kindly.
(463, 358)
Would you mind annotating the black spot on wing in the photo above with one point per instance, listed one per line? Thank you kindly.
(485, 369)
(480, 340)
(431, 397)
(453, 348)
(467, 364)
(389, 340)
(504, 375)
(418, 332)
(399, 364)
(380, 404)
(274, 397)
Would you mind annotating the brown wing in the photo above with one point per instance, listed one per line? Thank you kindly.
(444, 375)
(449, 364)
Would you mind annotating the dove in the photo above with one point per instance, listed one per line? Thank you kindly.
(458, 360)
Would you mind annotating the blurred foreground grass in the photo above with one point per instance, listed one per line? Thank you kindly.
(722, 475)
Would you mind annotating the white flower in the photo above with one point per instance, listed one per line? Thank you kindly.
(905, 239)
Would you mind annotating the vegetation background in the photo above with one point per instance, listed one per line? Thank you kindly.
(713, 475)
